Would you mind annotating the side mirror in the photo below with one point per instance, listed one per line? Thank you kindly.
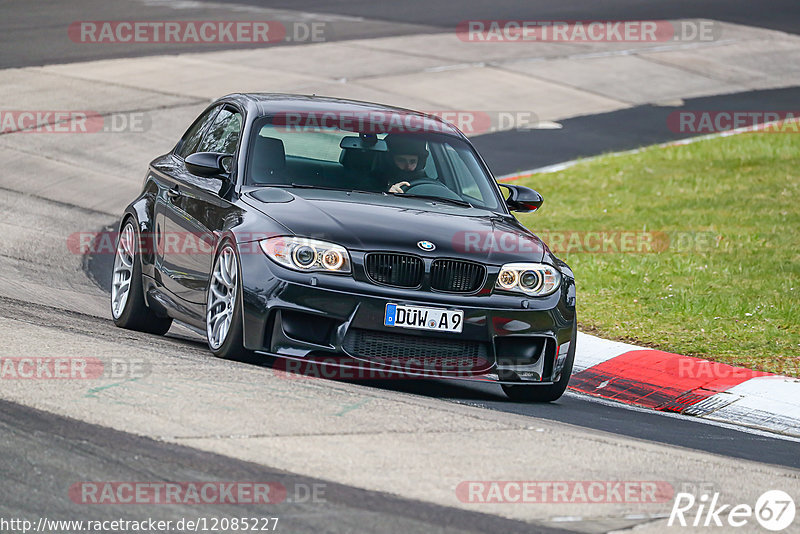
(208, 163)
(522, 199)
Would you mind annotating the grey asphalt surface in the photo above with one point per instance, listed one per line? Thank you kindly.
(575, 409)
(512, 151)
(781, 15)
(44, 455)
(580, 410)
(42, 24)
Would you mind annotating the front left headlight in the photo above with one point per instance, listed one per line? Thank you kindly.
(303, 254)
(532, 279)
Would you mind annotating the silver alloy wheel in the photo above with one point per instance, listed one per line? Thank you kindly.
(123, 270)
(221, 297)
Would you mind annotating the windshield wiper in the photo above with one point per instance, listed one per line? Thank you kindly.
(309, 186)
(457, 202)
(326, 188)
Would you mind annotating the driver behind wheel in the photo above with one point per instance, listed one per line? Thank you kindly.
(405, 161)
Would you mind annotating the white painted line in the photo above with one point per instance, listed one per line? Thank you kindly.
(779, 388)
(770, 402)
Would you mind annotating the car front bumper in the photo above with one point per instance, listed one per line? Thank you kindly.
(337, 321)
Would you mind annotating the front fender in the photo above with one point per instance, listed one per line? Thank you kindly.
(142, 211)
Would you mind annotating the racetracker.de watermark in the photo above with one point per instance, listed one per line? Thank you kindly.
(698, 369)
(71, 368)
(196, 32)
(170, 493)
(181, 243)
(715, 121)
(591, 242)
(470, 122)
(567, 491)
(195, 492)
(468, 242)
(72, 122)
(587, 31)
(343, 368)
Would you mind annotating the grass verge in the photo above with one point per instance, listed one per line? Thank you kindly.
(693, 249)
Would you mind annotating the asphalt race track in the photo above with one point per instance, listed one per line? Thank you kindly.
(775, 14)
(45, 41)
(579, 410)
(58, 446)
(583, 136)
(214, 420)
(510, 151)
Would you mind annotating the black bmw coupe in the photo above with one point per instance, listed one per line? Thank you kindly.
(326, 232)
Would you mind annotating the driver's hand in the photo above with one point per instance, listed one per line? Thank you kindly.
(396, 188)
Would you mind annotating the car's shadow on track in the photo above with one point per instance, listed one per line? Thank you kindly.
(446, 389)
(571, 409)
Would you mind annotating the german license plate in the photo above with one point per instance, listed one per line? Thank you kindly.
(421, 318)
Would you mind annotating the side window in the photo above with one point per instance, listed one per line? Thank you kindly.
(223, 135)
(466, 181)
(470, 178)
(192, 137)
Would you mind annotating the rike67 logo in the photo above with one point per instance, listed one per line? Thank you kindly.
(774, 510)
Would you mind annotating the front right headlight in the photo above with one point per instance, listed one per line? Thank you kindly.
(531, 279)
(303, 254)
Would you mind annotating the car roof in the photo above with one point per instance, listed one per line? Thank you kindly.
(270, 104)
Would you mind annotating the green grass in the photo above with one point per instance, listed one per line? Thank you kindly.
(733, 295)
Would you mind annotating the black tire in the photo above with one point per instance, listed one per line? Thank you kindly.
(233, 346)
(546, 393)
(135, 313)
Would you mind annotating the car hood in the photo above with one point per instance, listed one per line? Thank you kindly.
(365, 222)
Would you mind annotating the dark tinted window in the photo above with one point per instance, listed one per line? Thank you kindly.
(192, 137)
(328, 157)
(223, 135)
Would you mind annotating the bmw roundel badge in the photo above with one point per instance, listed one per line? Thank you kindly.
(426, 245)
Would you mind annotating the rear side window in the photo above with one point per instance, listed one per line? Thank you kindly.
(192, 137)
(223, 134)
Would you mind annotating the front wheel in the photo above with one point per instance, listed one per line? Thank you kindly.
(128, 307)
(551, 392)
(224, 330)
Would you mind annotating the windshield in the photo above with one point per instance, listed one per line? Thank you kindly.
(429, 165)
